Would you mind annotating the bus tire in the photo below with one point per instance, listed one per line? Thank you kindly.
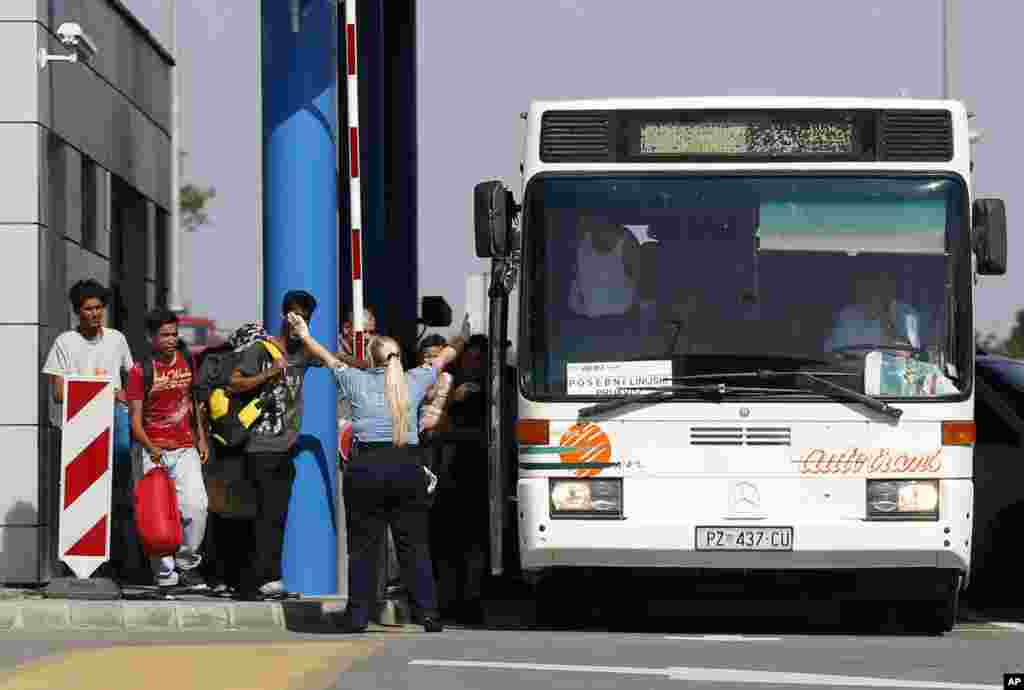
(943, 616)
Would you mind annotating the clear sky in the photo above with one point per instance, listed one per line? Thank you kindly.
(480, 63)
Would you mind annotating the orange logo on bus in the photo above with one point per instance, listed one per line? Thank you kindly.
(588, 443)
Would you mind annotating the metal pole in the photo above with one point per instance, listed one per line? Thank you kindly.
(950, 58)
(354, 185)
(498, 331)
(174, 232)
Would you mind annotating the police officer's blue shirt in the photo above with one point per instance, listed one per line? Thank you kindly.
(371, 419)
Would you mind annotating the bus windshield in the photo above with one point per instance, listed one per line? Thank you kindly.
(634, 279)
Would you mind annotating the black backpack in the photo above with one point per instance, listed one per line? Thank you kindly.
(230, 416)
(147, 367)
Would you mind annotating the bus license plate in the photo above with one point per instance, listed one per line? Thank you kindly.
(744, 538)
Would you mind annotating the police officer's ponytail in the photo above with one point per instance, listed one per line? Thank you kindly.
(385, 352)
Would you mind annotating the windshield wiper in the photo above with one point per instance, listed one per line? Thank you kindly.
(666, 393)
(842, 392)
(823, 385)
(760, 374)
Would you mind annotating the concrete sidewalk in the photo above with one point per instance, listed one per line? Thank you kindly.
(28, 610)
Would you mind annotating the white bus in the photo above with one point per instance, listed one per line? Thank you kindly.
(745, 339)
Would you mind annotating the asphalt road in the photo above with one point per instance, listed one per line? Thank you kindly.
(974, 655)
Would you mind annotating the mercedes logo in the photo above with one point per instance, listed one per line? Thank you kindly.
(745, 497)
(744, 412)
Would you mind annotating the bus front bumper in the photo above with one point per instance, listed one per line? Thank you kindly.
(645, 538)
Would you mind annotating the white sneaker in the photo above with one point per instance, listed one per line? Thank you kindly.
(272, 588)
(167, 581)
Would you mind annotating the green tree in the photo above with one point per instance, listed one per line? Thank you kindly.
(194, 202)
(988, 342)
(1014, 345)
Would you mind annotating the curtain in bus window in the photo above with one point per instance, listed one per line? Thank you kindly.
(915, 226)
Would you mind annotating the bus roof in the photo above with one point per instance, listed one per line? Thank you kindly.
(749, 102)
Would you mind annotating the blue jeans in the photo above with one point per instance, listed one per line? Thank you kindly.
(126, 558)
(122, 435)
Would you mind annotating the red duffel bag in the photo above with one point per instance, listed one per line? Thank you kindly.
(157, 518)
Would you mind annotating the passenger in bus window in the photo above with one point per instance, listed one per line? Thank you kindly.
(877, 318)
(605, 268)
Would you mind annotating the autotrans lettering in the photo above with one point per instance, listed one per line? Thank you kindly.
(867, 462)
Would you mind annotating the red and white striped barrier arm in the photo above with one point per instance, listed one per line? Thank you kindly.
(87, 448)
(355, 193)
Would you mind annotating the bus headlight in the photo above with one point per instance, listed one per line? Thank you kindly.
(586, 497)
(903, 499)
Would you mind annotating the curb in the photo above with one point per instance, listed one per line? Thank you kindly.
(176, 616)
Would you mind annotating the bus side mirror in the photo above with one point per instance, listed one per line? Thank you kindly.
(990, 236)
(436, 312)
(493, 211)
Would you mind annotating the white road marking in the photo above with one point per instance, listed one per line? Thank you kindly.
(723, 638)
(728, 675)
(1012, 626)
(713, 675)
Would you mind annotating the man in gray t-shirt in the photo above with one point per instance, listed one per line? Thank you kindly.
(276, 374)
(279, 425)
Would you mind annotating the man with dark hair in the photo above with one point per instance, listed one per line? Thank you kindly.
(92, 349)
(168, 424)
(346, 343)
(270, 449)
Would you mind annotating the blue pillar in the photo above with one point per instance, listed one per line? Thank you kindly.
(300, 252)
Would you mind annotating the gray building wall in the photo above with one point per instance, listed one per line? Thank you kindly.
(86, 193)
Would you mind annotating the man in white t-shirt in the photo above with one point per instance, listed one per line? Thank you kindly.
(89, 350)
(605, 283)
(92, 349)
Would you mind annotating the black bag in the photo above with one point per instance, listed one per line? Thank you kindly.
(230, 416)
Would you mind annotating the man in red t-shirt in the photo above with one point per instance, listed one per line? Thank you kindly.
(167, 423)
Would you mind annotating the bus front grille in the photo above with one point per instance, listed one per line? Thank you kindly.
(739, 436)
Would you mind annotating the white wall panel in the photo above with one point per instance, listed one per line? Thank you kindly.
(19, 555)
(19, 148)
(21, 76)
(19, 499)
(19, 274)
(19, 398)
(22, 10)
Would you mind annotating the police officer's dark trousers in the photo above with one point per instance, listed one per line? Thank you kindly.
(386, 486)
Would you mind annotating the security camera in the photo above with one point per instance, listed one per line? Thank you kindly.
(73, 36)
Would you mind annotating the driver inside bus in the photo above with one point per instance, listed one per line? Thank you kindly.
(606, 268)
(876, 318)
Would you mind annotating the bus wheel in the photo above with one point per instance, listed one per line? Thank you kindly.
(941, 618)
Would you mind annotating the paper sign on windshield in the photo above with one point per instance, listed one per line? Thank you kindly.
(616, 378)
(889, 375)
